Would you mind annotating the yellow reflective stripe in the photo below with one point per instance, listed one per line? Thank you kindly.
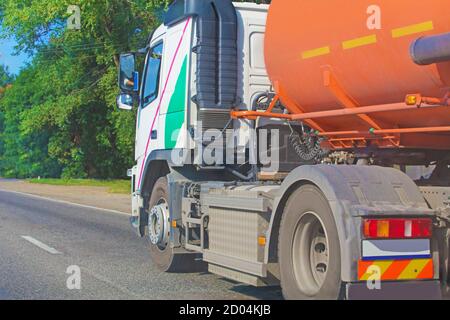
(371, 39)
(359, 42)
(383, 265)
(315, 52)
(413, 269)
(413, 29)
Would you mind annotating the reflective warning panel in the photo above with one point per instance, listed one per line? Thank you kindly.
(396, 269)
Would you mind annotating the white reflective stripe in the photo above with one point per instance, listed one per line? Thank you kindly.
(396, 248)
(408, 228)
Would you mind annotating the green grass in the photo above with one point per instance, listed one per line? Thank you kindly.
(114, 186)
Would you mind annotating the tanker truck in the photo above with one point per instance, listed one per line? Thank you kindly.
(301, 144)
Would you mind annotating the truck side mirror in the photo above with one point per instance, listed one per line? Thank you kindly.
(128, 77)
(124, 102)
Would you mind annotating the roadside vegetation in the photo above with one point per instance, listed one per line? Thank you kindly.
(114, 186)
(58, 116)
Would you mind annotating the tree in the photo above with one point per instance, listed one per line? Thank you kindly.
(59, 118)
(5, 76)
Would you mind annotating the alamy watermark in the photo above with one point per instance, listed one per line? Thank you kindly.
(374, 20)
(73, 282)
(215, 147)
(374, 279)
(74, 20)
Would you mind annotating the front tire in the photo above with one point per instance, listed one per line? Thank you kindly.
(162, 254)
(309, 250)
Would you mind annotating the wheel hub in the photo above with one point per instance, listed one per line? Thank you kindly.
(319, 254)
(310, 254)
(158, 225)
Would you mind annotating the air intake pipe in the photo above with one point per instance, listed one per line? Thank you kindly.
(431, 49)
(216, 50)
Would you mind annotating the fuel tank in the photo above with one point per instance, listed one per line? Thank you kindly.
(335, 54)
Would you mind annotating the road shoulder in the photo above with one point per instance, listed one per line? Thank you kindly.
(88, 196)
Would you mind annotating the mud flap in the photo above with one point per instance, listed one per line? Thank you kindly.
(409, 290)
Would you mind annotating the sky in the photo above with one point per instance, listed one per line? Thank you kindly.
(8, 58)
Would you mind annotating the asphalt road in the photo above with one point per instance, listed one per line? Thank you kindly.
(41, 239)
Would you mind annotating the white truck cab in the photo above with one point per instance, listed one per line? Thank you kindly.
(168, 108)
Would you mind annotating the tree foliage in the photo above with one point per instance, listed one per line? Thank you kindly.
(5, 77)
(59, 116)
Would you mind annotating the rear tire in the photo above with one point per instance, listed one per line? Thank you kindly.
(163, 256)
(309, 249)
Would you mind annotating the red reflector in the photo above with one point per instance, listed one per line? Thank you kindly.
(421, 228)
(397, 228)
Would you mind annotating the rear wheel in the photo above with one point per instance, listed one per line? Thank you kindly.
(163, 256)
(309, 250)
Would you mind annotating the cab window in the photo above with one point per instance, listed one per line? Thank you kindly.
(152, 75)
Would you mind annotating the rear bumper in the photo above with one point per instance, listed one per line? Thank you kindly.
(409, 290)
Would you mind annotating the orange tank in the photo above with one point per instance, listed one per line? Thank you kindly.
(335, 55)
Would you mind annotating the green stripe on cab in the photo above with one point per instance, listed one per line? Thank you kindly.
(176, 110)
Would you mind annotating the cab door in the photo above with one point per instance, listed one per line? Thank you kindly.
(147, 138)
(174, 109)
(161, 123)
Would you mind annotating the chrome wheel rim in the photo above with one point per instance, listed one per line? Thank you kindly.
(158, 225)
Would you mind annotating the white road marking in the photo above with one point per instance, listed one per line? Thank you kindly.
(41, 245)
(67, 202)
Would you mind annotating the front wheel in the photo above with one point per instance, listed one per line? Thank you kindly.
(158, 231)
(309, 250)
